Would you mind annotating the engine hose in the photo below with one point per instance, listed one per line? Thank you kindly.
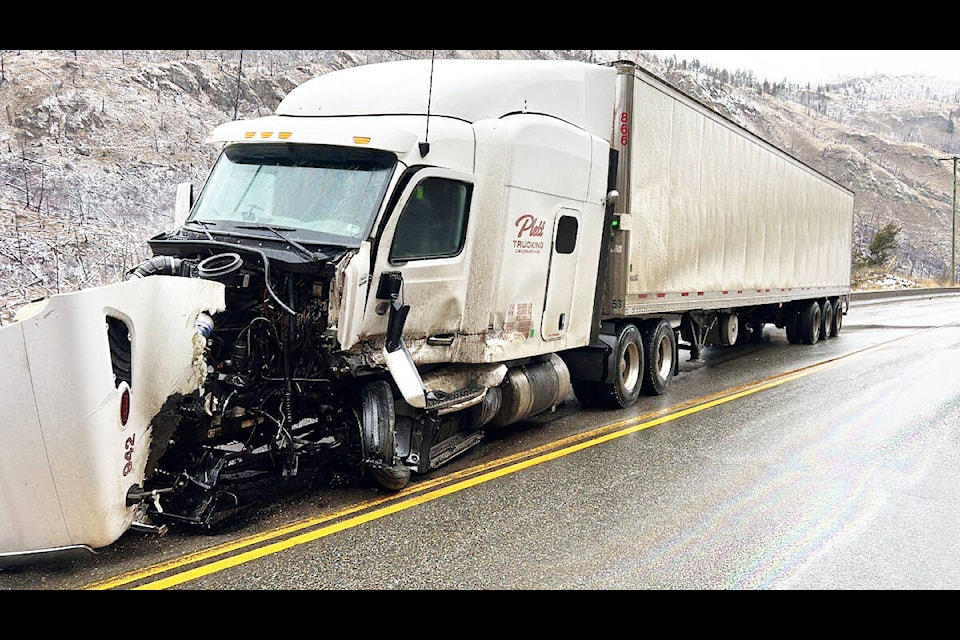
(157, 265)
(288, 392)
(266, 280)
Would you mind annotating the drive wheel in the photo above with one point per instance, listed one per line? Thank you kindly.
(627, 370)
(659, 360)
(586, 391)
(379, 438)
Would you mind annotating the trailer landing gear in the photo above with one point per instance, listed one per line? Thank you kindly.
(694, 327)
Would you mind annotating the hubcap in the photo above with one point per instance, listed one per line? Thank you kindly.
(664, 358)
(630, 366)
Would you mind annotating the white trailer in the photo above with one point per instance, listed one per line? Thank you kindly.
(404, 257)
(714, 229)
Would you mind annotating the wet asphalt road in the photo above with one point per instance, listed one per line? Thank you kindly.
(766, 466)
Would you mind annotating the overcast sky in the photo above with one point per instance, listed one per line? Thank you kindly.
(813, 66)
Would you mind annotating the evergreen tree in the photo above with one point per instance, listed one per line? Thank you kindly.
(883, 244)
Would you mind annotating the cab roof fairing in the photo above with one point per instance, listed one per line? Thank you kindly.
(471, 90)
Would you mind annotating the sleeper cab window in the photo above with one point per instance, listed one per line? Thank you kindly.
(567, 234)
(433, 224)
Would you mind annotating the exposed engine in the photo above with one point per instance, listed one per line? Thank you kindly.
(272, 400)
(280, 399)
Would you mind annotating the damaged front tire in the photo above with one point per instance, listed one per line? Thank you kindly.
(379, 437)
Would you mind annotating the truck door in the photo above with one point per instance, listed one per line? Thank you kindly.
(426, 240)
(561, 274)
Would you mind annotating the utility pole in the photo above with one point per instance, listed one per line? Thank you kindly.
(236, 102)
(953, 225)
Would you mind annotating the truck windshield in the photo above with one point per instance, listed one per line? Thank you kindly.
(328, 194)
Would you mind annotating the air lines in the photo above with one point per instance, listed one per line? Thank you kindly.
(530, 226)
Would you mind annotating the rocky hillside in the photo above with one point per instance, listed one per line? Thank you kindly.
(94, 142)
(887, 139)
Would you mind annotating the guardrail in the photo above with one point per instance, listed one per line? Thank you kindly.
(864, 296)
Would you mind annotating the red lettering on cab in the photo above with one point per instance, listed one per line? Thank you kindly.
(530, 225)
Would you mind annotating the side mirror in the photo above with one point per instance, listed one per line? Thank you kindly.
(183, 204)
(389, 286)
(391, 282)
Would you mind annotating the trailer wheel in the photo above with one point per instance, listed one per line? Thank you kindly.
(379, 437)
(627, 370)
(808, 324)
(729, 328)
(791, 323)
(660, 352)
(826, 322)
(837, 317)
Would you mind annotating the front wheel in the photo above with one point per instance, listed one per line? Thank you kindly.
(379, 437)
(627, 370)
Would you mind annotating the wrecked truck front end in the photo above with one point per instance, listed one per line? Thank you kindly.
(283, 227)
(83, 375)
(217, 361)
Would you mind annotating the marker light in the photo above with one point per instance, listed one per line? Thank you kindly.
(124, 407)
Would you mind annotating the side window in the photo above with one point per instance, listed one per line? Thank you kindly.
(434, 222)
(567, 234)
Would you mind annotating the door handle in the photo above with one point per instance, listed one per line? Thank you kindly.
(441, 339)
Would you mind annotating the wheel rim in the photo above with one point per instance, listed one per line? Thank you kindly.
(731, 326)
(664, 358)
(630, 366)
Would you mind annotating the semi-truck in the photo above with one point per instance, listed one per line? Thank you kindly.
(402, 259)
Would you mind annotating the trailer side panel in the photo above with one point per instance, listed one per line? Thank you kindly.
(711, 216)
